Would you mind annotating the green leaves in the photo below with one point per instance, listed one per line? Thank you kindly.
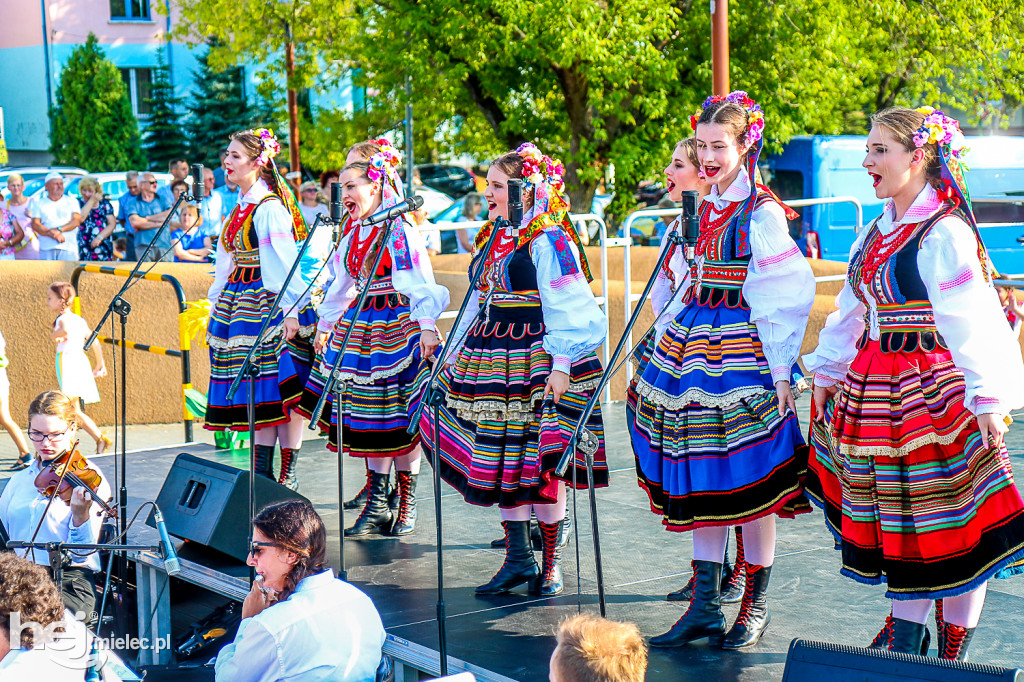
(92, 124)
(599, 82)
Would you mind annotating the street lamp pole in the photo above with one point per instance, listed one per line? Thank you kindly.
(408, 137)
(720, 47)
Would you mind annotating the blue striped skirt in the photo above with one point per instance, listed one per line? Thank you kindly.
(710, 446)
(233, 326)
(380, 369)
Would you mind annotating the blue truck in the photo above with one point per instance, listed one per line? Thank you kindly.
(830, 166)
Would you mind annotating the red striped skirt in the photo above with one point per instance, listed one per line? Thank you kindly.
(913, 495)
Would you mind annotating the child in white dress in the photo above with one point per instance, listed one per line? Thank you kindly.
(75, 376)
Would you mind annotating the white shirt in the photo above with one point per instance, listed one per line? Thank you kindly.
(21, 507)
(574, 324)
(20, 665)
(779, 287)
(326, 630)
(277, 248)
(967, 313)
(53, 215)
(427, 298)
(76, 331)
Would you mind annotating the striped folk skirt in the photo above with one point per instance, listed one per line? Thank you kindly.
(703, 418)
(500, 441)
(380, 371)
(283, 365)
(913, 496)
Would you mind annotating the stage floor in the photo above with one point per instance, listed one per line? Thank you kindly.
(513, 634)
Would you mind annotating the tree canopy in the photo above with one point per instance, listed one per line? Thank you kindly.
(614, 81)
(92, 124)
(164, 138)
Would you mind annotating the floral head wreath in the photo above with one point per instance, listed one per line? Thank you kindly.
(944, 131)
(755, 117)
(271, 147)
(383, 161)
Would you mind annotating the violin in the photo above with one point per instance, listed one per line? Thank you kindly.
(61, 475)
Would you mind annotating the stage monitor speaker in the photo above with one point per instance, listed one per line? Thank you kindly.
(208, 503)
(817, 661)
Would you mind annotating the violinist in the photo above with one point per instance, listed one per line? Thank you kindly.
(71, 516)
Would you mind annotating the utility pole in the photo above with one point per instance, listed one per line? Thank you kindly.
(720, 47)
(293, 104)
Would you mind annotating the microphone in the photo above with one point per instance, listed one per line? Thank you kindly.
(198, 189)
(336, 207)
(171, 564)
(691, 223)
(515, 204)
(410, 204)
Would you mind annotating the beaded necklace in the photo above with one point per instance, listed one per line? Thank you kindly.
(238, 218)
(358, 249)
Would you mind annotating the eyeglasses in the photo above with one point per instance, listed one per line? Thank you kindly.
(256, 547)
(39, 437)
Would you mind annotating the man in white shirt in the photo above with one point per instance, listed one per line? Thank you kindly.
(55, 219)
(212, 207)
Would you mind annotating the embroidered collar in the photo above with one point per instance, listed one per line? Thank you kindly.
(924, 207)
(256, 193)
(738, 191)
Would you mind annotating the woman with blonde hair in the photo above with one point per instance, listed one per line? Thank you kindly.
(98, 223)
(17, 204)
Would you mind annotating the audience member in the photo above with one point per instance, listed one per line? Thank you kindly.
(661, 225)
(55, 219)
(299, 621)
(229, 196)
(11, 234)
(218, 172)
(131, 179)
(190, 241)
(98, 223)
(30, 598)
(327, 178)
(120, 248)
(212, 206)
(431, 235)
(17, 204)
(310, 204)
(146, 214)
(593, 649)
(178, 168)
(470, 212)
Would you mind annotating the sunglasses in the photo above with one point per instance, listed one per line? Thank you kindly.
(256, 547)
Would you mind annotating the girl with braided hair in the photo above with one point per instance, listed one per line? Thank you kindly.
(255, 252)
(298, 620)
(914, 375)
(523, 372)
(393, 336)
(711, 413)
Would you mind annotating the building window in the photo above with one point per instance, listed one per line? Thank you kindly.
(138, 81)
(129, 10)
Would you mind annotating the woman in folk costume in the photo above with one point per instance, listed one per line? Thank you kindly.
(393, 337)
(711, 414)
(525, 370)
(255, 252)
(910, 464)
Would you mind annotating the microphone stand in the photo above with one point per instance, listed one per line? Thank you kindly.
(337, 384)
(251, 371)
(434, 396)
(122, 308)
(582, 439)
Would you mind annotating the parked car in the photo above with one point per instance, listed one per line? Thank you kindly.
(31, 174)
(454, 181)
(433, 201)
